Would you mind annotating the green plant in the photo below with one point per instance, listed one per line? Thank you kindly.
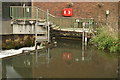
(104, 41)
(115, 46)
(9, 44)
(28, 41)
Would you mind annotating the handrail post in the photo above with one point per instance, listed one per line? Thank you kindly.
(83, 41)
(37, 14)
(36, 28)
(24, 13)
(10, 11)
(47, 20)
(83, 35)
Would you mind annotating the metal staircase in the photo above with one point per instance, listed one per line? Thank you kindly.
(42, 32)
(34, 16)
(44, 20)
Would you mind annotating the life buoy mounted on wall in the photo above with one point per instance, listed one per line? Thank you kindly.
(67, 12)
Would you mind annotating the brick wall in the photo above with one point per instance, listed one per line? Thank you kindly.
(96, 10)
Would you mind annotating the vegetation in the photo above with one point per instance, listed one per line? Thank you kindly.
(105, 40)
(18, 42)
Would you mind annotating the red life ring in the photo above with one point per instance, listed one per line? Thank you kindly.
(67, 12)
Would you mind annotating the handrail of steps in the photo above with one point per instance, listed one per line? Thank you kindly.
(29, 12)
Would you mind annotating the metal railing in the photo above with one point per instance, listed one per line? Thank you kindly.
(30, 12)
(27, 12)
(68, 22)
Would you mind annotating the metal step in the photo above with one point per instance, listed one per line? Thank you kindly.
(41, 38)
(41, 24)
(53, 25)
(42, 20)
(42, 32)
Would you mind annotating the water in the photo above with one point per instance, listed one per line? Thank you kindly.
(65, 60)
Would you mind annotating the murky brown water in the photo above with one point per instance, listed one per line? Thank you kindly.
(66, 60)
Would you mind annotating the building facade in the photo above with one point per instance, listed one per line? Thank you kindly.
(102, 12)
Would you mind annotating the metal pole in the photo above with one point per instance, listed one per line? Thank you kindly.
(48, 56)
(24, 12)
(48, 26)
(36, 28)
(83, 41)
(86, 39)
(10, 11)
(83, 52)
(37, 13)
(83, 35)
(35, 36)
(36, 56)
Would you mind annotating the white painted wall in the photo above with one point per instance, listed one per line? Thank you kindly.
(23, 29)
(27, 29)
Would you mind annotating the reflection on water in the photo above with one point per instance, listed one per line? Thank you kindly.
(67, 60)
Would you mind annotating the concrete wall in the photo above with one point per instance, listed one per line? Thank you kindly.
(6, 20)
(6, 27)
(23, 29)
(27, 29)
(96, 10)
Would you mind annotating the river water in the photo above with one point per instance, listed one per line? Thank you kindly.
(66, 59)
